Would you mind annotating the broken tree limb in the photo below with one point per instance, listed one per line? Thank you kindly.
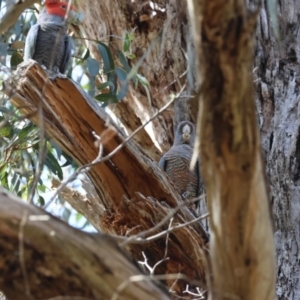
(132, 189)
(242, 244)
(42, 257)
(70, 118)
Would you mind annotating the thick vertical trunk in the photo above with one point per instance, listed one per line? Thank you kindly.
(277, 92)
(242, 245)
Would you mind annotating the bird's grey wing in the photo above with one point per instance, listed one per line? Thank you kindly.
(31, 41)
(67, 54)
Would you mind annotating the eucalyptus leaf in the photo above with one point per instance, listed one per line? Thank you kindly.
(86, 54)
(93, 67)
(122, 76)
(41, 188)
(105, 85)
(52, 163)
(127, 42)
(108, 65)
(6, 130)
(107, 58)
(41, 201)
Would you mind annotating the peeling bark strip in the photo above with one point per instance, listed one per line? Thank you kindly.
(58, 260)
(131, 186)
(242, 245)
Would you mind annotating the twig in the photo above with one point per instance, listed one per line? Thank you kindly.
(127, 241)
(173, 284)
(13, 14)
(41, 157)
(166, 250)
(80, 170)
(199, 294)
(21, 252)
(161, 234)
(145, 262)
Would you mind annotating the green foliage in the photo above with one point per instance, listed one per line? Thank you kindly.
(22, 145)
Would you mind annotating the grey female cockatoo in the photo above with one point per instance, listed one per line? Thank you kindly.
(47, 42)
(176, 162)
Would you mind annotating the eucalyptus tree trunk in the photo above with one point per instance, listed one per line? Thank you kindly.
(276, 72)
(242, 252)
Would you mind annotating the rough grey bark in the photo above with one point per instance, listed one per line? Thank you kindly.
(277, 92)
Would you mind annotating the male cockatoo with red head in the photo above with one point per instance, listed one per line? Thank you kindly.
(47, 42)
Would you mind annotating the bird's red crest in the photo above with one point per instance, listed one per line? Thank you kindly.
(56, 7)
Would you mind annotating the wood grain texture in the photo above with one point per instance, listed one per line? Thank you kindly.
(107, 21)
(60, 260)
(242, 244)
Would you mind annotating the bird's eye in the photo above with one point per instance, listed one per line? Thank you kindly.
(63, 6)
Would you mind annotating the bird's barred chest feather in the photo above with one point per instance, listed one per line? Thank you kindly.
(177, 162)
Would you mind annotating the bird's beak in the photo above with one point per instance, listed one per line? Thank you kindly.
(186, 136)
(186, 133)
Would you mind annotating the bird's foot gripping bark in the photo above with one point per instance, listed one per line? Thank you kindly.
(54, 73)
(54, 69)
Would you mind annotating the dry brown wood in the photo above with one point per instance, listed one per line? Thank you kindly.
(42, 257)
(70, 117)
(132, 189)
(242, 244)
(107, 21)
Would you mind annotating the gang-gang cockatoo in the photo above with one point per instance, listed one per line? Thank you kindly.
(47, 41)
(176, 162)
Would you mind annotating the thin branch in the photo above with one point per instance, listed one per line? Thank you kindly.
(161, 234)
(158, 225)
(80, 170)
(167, 248)
(145, 262)
(21, 252)
(41, 158)
(199, 295)
(13, 13)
